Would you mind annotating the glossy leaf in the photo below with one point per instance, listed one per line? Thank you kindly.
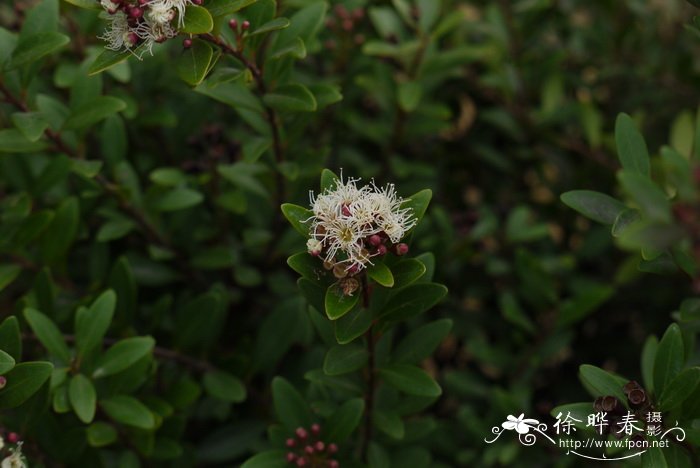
(410, 379)
(23, 381)
(48, 334)
(83, 398)
(122, 355)
(344, 359)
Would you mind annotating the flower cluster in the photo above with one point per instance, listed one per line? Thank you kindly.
(15, 459)
(307, 449)
(138, 24)
(351, 225)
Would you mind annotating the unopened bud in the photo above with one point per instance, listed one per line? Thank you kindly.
(315, 429)
(3, 381)
(291, 456)
(374, 240)
(132, 38)
(333, 464)
(187, 43)
(301, 433)
(332, 448)
(136, 12)
(348, 25)
(197, 2)
(345, 209)
(290, 442)
(301, 461)
(13, 437)
(401, 249)
(382, 250)
(233, 24)
(309, 450)
(320, 446)
(245, 25)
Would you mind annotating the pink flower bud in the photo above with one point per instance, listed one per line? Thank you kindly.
(290, 442)
(332, 448)
(315, 429)
(132, 38)
(233, 24)
(320, 446)
(197, 2)
(348, 25)
(374, 240)
(136, 12)
(245, 25)
(3, 381)
(346, 210)
(301, 461)
(187, 43)
(291, 456)
(13, 437)
(301, 433)
(402, 249)
(382, 250)
(333, 464)
(309, 450)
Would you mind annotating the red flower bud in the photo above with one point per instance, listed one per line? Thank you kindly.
(333, 464)
(197, 2)
(401, 249)
(315, 429)
(320, 446)
(233, 23)
(3, 381)
(309, 450)
(301, 461)
(13, 437)
(291, 456)
(301, 433)
(187, 43)
(332, 448)
(374, 240)
(290, 442)
(136, 12)
(382, 250)
(245, 25)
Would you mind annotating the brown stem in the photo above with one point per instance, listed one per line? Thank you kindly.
(369, 396)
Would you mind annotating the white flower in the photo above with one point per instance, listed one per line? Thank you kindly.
(119, 35)
(159, 13)
(520, 424)
(15, 460)
(177, 5)
(351, 224)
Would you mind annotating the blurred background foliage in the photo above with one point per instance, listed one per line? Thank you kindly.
(498, 107)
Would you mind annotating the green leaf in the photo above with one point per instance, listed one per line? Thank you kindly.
(418, 203)
(650, 198)
(411, 301)
(409, 95)
(679, 389)
(329, 179)
(337, 304)
(83, 398)
(343, 359)
(14, 141)
(92, 324)
(304, 26)
(100, 434)
(91, 112)
(410, 379)
(7, 362)
(344, 420)
(48, 334)
(115, 229)
(352, 325)
(23, 381)
(380, 273)
(8, 273)
(407, 271)
(110, 58)
(390, 423)
(85, 167)
(34, 46)
(291, 98)
(669, 358)
(647, 364)
(631, 148)
(654, 458)
(421, 342)
(128, 410)
(594, 205)
(291, 408)
(194, 63)
(60, 234)
(87, 4)
(122, 355)
(267, 459)
(297, 215)
(226, 7)
(307, 265)
(272, 25)
(10, 338)
(177, 199)
(197, 20)
(224, 386)
(31, 124)
(601, 382)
